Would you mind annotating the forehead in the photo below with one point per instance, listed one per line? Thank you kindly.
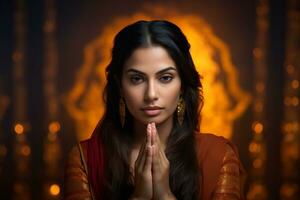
(149, 59)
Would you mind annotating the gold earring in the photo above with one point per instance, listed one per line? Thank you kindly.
(122, 112)
(180, 111)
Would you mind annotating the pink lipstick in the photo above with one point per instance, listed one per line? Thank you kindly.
(152, 110)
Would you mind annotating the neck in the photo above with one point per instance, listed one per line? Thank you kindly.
(163, 129)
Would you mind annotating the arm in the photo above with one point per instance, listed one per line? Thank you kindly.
(76, 185)
(229, 184)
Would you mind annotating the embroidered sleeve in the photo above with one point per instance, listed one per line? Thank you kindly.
(76, 183)
(229, 186)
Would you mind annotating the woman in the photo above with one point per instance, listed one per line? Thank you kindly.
(147, 145)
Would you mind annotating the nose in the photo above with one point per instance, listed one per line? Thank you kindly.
(151, 92)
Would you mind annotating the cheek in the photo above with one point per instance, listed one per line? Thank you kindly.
(173, 100)
(132, 98)
(172, 96)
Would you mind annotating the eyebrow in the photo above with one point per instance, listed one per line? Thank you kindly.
(159, 72)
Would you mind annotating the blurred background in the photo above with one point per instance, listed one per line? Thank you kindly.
(52, 60)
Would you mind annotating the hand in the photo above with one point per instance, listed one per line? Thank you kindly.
(142, 173)
(160, 168)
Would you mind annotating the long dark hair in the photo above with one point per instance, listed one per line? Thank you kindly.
(116, 139)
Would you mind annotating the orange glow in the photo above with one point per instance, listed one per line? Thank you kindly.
(291, 151)
(287, 101)
(257, 191)
(54, 127)
(295, 101)
(258, 107)
(54, 189)
(290, 69)
(257, 163)
(19, 129)
(254, 147)
(25, 150)
(16, 56)
(295, 84)
(18, 187)
(257, 53)
(296, 126)
(288, 190)
(257, 127)
(3, 151)
(52, 137)
(260, 87)
(84, 100)
(287, 127)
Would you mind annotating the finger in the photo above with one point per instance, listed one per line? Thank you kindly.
(156, 164)
(146, 148)
(140, 161)
(153, 131)
(149, 135)
(160, 149)
(156, 138)
(148, 161)
(141, 157)
(159, 164)
(156, 145)
(141, 151)
(152, 134)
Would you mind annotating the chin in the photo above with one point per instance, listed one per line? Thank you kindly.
(146, 121)
(157, 120)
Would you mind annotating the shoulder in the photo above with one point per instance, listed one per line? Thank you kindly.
(73, 155)
(83, 145)
(76, 184)
(209, 138)
(90, 147)
(77, 156)
(74, 161)
(216, 155)
(213, 148)
(210, 144)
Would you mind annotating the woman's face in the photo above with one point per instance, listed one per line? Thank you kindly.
(151, 85)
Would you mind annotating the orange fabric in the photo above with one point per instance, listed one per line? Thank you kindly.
(228, 186)
(220, 166)
(222, 171)
(76, 184)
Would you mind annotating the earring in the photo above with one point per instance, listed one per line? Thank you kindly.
(122, 112)
(180, 111)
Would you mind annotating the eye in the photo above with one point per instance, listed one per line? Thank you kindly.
(166, 78)
(136, 79)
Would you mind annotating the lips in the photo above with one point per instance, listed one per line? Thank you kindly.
(152, 110)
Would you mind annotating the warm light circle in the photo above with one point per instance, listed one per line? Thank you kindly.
(54, 189)
(25, 150)
(54, 127)
(257, 127)
(19, 129)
